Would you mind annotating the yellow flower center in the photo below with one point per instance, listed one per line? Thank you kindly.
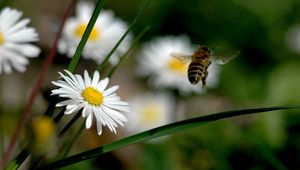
(151, 113)
(94, 35)
(2, 39)
(92, 96)
(177, 66)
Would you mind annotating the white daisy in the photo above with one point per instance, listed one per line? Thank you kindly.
(89, 94)
(167, 72)
(105, 34)
(150, 111)
(15, 37)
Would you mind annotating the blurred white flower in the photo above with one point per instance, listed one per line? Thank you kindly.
(150, 111)
(167, 72)
(292, 38)
(105, 34)
(15, 39)
(90, 96)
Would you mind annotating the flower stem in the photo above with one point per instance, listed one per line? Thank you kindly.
(57, 118)
(73, 139)
(69, 125)
(135, 41)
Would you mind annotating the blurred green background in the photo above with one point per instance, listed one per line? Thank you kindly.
(266, 73)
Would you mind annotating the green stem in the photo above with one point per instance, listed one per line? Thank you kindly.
(157, 132)
(1, 118)
(69, 125)
(57, 118)
(136, 40)
(85, 36)
(105, 61)
(73, 140)
(22, 155)
(51, 107)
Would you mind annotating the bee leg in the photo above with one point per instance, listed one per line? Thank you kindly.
(205, 74)
(203, 82)
(203, 79)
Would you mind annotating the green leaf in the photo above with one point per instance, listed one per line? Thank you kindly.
(158, 132)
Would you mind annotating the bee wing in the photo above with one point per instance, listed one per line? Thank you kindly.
(223, 57)
(182, 57)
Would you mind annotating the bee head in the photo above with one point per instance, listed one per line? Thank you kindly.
(204, 48)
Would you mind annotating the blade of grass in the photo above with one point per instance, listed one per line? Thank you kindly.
(76, 135)
(79, 49)
(158, 132)
(85, 36)
(73, 140)
(70, 124)
(135, 41)
(105, 61)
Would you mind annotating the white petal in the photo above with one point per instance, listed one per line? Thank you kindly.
(74, 79)
(102, 84)
(110, 90)
(65, 86)
(84, 112)
(21, 24)
(87, 79)
(7, 68)
(99, 128)
(89, 120)
(69, 81)
(114, 114)
(27, 50)
(80, 81)
(23, 36)
(68, 102)
(98, 116)
(96, 78)
(120, 108)
(108, 119)
(73, 108)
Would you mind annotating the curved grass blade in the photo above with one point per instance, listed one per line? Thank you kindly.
(158, 132)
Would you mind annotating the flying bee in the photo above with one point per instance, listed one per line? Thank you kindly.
(200, 60)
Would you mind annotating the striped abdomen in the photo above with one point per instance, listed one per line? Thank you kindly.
(196, 71)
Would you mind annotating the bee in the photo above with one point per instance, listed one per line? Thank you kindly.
(200, 60)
